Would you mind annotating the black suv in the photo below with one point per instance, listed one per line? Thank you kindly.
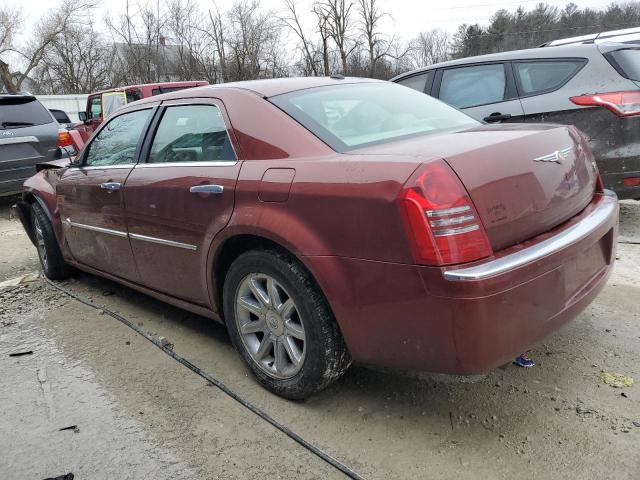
(592, 82)
(28, 135)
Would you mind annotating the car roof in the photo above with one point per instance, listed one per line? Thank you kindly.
(566, 51)
(269, 87)
(150, 85)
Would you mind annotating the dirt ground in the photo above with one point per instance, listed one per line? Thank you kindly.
(135, 413)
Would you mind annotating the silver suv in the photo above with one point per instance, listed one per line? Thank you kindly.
(592, 82)
(28, 136)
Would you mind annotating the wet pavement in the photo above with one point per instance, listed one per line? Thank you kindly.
(140, 414)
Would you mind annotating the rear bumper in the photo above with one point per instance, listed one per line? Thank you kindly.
(422, 318)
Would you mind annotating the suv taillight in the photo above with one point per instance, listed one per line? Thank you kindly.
(623, 104)
(443, 225)
(64, 138)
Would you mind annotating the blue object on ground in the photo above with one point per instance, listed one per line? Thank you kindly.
(524, 361)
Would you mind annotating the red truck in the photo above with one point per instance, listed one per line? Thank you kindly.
(100, 105)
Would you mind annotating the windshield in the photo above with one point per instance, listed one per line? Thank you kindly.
(356, 115)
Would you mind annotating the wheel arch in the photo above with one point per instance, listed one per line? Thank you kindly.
(24, 211)
(235, 245)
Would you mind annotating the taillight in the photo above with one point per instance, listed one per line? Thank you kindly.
(64, 138)
(623, 104)
(631, 182)
(442, 222)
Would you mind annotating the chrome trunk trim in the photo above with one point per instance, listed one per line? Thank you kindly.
(12, 140)
(571, 235)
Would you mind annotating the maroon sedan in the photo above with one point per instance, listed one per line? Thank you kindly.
(326, 220)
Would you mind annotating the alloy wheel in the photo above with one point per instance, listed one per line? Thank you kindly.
(40, 245)
(270, 326)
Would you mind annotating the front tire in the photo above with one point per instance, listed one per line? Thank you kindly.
(281, 324)
(51, 260)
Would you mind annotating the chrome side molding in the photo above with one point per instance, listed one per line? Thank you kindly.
(571, 235)
(134, 236)
(162, 241)
(67, 222)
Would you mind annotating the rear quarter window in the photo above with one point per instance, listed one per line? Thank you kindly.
(420, 82)
(542, 76)
(626, 62)
(21, 112)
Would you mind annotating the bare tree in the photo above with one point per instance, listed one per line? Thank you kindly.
(47, 30)
(429, 47)
(78, 61)
(253, 43)
(194, 49)
(338, 15)
(138, 41)
(218, 34)
(322, 22)
(370, 16)
(292, 20)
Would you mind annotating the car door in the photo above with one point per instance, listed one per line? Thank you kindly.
(90, 196)
(484, 91)
(180, 195)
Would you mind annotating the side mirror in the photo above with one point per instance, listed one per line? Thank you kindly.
(82, 116)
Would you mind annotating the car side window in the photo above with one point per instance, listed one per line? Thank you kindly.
(544, 76)
(116, 142)
(475, 85)
(418, 82)
(191, 133)
(95, 107)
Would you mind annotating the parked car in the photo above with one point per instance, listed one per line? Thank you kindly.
(326, 220)
(102, 104)
(593, 85)
(28, 135)
(62, 118)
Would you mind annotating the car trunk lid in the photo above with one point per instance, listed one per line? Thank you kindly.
(523, 179)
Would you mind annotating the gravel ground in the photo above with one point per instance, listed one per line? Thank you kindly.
(133, 412)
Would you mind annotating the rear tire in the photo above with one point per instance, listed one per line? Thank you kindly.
(281, 324)
(51, 260)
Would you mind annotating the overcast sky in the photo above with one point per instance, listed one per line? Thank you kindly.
(407, 17)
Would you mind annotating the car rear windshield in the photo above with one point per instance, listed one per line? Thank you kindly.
(21, 112)
(627, 62)
(351, 116)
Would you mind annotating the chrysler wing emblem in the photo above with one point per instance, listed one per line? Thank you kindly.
(556, 157)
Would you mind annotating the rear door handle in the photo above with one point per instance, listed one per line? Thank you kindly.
(111, 186)
(497, 117)
(216, 189)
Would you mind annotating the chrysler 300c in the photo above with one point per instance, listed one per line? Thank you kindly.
(331, 220)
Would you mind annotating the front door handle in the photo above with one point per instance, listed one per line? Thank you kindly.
(497, 117)
(111, 186)
(217, 189)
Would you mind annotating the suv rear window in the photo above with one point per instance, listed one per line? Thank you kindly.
(20, 112)
(356, 115)
(544, 76)
(626, 62)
